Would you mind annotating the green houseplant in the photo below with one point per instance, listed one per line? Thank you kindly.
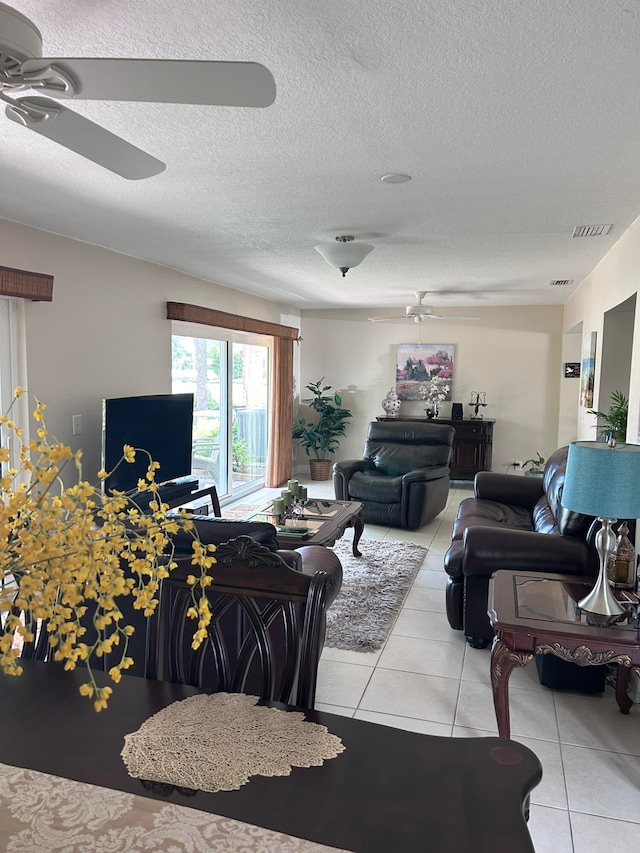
(321, 437)
(613, 424)
(536, 466)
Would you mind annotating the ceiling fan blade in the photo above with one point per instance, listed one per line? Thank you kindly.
(73, 131)
(386, 319)
(162, 81)
(450, 317)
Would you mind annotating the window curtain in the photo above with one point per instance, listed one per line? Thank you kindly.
(280, 450)
(27, 285)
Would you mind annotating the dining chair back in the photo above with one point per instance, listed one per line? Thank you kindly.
(266, 630)
(36, 649)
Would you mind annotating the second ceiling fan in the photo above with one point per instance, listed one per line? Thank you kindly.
(419, 312)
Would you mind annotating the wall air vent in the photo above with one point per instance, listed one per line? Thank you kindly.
(591, 230)
(561, 282)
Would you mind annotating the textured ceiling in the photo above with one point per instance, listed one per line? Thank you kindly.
(517, 120)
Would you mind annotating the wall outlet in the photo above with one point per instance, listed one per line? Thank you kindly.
(76, 424)
(519, 464)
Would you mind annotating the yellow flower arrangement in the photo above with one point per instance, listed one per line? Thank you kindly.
(70, 553)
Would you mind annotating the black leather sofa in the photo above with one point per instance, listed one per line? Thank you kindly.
(513, 522)
(403, 478)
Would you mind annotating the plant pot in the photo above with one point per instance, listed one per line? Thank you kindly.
(320, 469)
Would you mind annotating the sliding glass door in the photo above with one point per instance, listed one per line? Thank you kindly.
(229, 377)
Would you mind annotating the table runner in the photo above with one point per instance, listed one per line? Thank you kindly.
(217, 742)
(41, 812)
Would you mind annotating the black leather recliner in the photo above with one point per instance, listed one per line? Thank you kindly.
(403, 478)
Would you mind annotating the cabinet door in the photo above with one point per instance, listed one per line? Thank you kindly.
(471, 450)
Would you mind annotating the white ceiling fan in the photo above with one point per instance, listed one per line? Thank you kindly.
(22, 67)
(419, 312)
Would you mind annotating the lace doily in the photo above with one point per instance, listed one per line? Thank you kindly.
(217, 742)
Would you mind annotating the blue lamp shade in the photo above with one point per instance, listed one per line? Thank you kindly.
(603, 481)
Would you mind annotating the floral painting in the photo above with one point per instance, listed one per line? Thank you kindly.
(421, 367)
(588, 371)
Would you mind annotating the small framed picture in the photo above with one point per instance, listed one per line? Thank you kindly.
(571, 369)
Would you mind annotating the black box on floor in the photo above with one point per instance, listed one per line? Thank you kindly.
(562, 675)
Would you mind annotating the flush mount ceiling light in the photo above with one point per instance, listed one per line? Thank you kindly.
(344, 253)
(395, 178)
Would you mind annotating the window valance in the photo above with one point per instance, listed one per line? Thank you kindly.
(223, 320)
(36, 286)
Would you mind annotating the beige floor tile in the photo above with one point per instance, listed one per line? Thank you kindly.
(430, 657)
(532, 712)
(434, 563)
(593, 834)
(597, 723)
(425, 727)
(431, 579)
(408, 694)
(602, 783)
(550, 830)
(426, 626)
(335, 709)
(424, 598)
(346, 656)
(341, 683)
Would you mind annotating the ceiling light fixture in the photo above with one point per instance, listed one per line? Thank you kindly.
(344, 253)
(395, 178)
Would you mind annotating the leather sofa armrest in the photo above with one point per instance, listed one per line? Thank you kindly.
(420, 475)
(486, 549)
(342, 473)
(316, 558)
(508, 489)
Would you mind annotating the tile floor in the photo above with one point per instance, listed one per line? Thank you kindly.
(427, 679)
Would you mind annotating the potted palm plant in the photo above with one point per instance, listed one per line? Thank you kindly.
(320, 437)
(613, 424)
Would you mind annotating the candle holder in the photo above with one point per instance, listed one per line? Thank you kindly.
(478, 401)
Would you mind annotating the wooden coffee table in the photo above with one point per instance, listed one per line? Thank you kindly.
(538, 614)
(325, 520)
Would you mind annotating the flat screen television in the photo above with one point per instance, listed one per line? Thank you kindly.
(159, 423)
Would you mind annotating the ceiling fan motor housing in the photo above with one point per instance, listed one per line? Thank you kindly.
(20, 40)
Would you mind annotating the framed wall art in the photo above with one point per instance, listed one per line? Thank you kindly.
(588, 371)
(420, 365)
(572, 370)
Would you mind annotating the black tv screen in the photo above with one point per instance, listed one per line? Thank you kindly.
(159, 423)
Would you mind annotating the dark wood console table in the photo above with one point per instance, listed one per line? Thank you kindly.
(472, 445)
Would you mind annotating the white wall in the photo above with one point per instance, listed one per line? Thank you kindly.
(105, 333)
(513, 354)
(615, 279)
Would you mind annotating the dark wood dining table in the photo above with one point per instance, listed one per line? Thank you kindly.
(390, 790)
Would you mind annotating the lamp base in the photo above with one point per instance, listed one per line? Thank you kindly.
(601, 606)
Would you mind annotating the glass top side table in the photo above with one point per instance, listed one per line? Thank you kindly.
(536, 614)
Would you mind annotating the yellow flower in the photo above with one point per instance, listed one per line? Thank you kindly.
(69, 554)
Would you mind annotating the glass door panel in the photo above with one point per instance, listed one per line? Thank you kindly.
(229, 380)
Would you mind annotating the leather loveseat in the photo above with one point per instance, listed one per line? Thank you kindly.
(513, 522)
(403, 478)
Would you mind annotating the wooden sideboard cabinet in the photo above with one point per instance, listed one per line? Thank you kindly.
(472, 445)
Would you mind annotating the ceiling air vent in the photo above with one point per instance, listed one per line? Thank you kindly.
(561, 282)
(591, 230)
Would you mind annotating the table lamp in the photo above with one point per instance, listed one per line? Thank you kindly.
(603, 480)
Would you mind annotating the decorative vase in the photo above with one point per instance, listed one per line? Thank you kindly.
(391, 404)
(320, 469)
(622, 562)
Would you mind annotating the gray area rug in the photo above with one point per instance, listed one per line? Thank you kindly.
(373, 591)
